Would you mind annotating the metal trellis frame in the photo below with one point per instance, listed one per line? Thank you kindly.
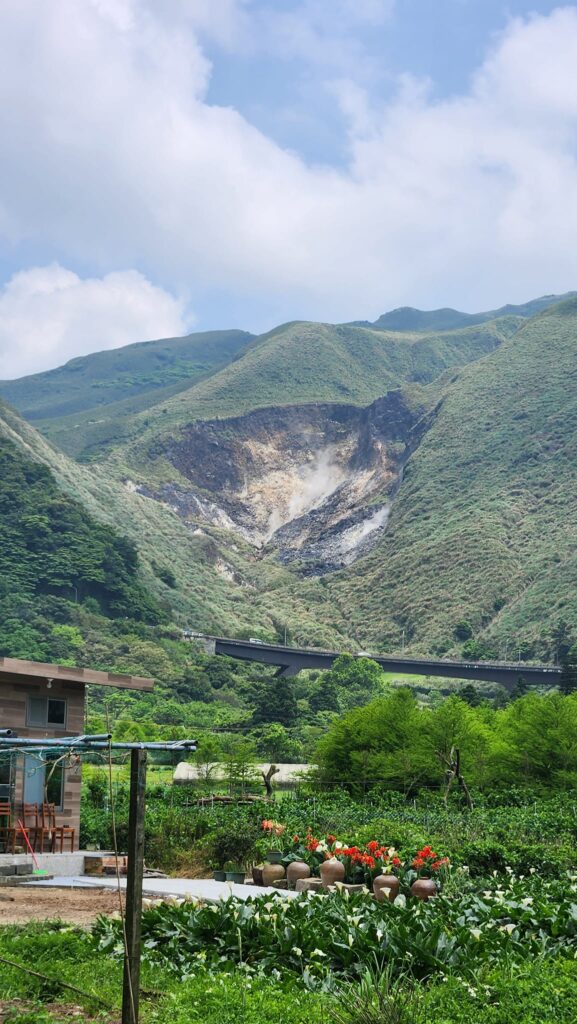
(136, 815)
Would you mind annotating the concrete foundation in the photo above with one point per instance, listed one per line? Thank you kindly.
(58, 865)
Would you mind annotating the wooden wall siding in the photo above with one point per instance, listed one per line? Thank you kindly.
(14, 693)
(26, 670)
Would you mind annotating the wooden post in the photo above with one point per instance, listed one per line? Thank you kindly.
(133, 914)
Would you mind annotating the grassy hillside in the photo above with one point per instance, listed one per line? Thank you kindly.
(199, 578)
(86, 402)
(305, 362)
(484, 527)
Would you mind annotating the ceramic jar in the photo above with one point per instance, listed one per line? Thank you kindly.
(424, 888)
(386, 887)
(332, 871)
(271, 873)
(295, 870)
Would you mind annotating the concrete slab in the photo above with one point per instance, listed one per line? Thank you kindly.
(198, 888)
(56, 864)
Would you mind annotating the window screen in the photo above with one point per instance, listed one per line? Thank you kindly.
(37, 711)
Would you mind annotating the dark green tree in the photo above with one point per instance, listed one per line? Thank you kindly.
(520, 689)
(326, 697)
(357, 680)
(275, 701)
(470, 695)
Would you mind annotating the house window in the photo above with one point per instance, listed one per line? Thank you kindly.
(44, 711)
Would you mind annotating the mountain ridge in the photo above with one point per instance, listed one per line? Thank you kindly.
(409, 318)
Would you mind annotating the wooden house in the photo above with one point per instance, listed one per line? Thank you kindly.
(46, 702)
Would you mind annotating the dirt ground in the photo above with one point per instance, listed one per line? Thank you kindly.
(75, 906)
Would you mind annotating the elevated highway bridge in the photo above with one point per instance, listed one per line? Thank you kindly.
(290, 661)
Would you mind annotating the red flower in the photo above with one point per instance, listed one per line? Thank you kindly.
(372, 846)
(426, 853)
(331, 839)
(418, 862)
(351, 851)
(396, 862)
(295, 839)
(438, 864)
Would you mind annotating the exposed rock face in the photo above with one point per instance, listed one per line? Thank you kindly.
(313, 481)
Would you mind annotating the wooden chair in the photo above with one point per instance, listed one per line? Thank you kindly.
(7, 830)
(38, 834)
(58, 833)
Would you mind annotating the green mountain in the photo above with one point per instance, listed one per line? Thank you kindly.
(88, 400)
(356, 487)
(406, 318)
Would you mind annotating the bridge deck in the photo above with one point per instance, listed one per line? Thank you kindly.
(291, 660)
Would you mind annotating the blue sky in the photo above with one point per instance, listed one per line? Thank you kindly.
(175, 165)
(440, 40)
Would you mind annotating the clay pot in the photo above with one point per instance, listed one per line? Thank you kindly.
(386, 887)
(271, 873)
(295, 870)
(424, 888)
(332, 871)
(257, 874)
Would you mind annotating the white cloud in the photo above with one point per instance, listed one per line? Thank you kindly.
(112, 156)
(48, 314)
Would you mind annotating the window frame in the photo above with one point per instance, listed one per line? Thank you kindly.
(45, 724)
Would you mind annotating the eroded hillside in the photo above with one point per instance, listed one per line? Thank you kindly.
(312, 482)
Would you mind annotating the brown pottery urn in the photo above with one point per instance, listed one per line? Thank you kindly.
(295, 870)
(386, 887)
(424, 888)
(332, 871)
(271, 873)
